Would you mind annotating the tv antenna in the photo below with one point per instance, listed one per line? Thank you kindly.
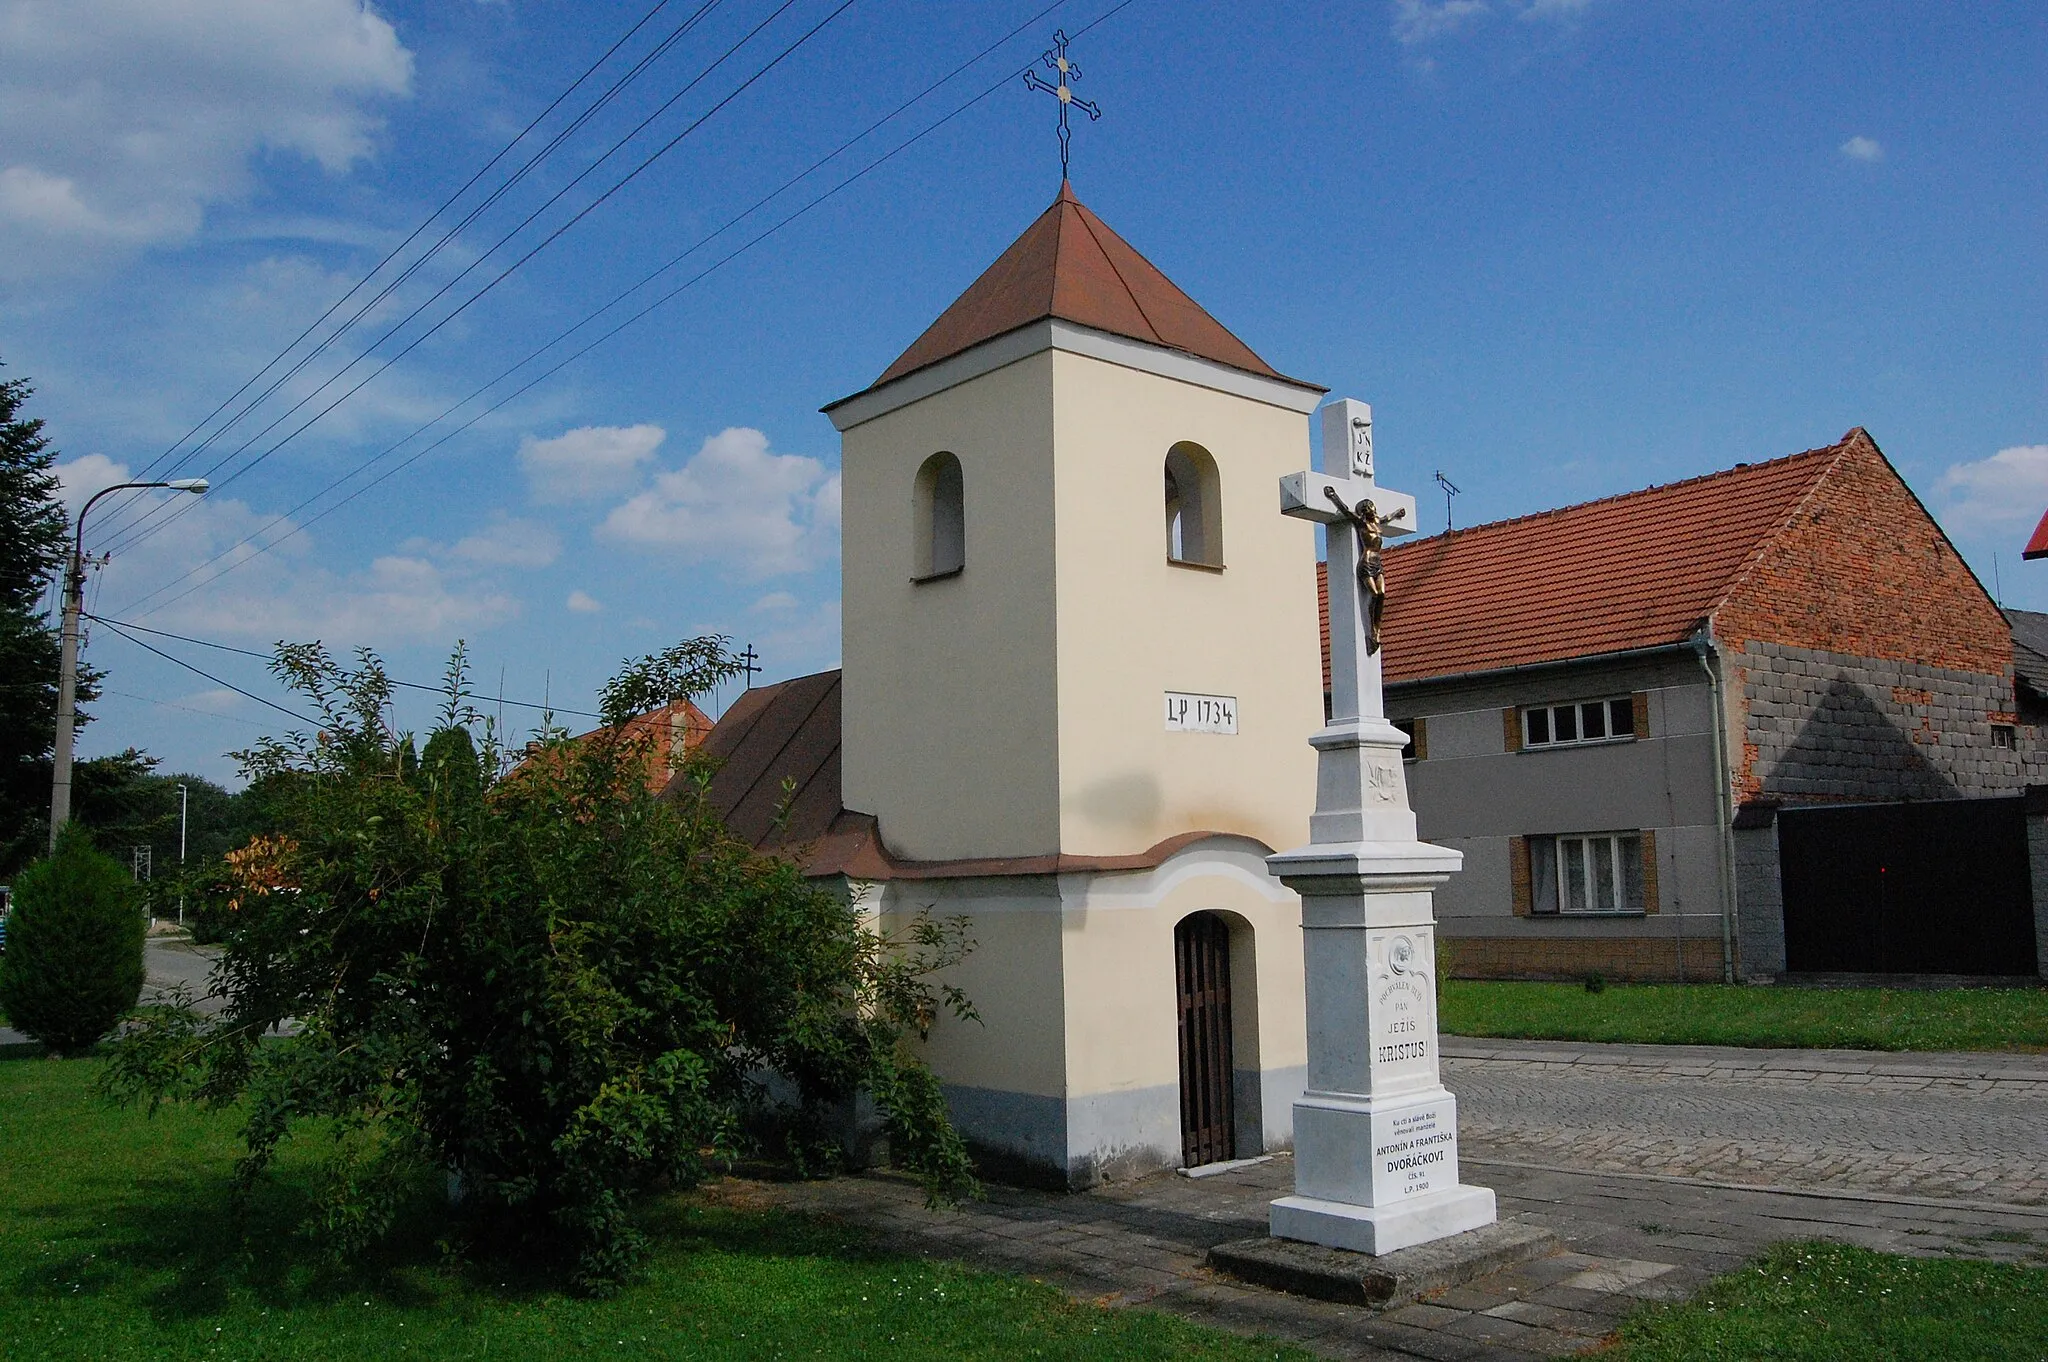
(1451, 489)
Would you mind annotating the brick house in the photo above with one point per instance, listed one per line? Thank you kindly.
(1637, 716)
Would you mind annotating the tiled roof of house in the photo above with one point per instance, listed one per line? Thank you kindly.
(682, 724)
(1633, 571)
(1070, 265)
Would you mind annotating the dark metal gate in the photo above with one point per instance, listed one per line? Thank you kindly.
(1201, 954)
(1930, 888)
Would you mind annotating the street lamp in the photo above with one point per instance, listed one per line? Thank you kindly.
(184, 803)
(67, 674)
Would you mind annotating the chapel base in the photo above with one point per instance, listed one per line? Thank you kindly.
(1383, 1229)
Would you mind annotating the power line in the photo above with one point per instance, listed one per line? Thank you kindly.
(425, 222)
(209, 675)
(393, 448)
(502, 275)
(118, 625)
(187, 709)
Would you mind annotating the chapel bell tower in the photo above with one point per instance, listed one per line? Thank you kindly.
(1075, 623)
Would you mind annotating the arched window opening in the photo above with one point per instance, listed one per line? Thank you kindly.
(941, 518)
(1194, 507)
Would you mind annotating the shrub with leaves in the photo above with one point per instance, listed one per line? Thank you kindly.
(73, 965)
(546, 983)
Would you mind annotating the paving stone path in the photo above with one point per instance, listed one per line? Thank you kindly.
(1697, 1199)
(1954, 1126)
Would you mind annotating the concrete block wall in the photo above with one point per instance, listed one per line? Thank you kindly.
(1825, 726)
(1759, 903)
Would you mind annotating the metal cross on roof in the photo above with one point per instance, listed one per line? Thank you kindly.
(1066, 73)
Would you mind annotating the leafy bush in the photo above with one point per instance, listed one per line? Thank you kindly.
(547, 984)
(73, 965)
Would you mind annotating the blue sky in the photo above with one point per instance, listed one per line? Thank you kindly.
(1565, 247)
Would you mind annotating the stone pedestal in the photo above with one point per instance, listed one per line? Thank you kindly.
(1376, 1134)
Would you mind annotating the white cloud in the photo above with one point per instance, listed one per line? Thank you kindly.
(583, 603)
(1420, 21)
(1555, 9)
(588, 463)
(804, 639)
(507, 542)
(774, 600)
(214, 701)
(2008, 489)
(1867, 149)
(127, 119)
(423, 594)
(736, 503)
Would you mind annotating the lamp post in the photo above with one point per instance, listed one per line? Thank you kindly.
(67, 674)
(184, 803)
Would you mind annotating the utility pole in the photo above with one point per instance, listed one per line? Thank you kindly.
(184, 804)
(67, 671)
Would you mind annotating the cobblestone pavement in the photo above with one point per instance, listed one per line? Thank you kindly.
(1631, 1235)
(1953, 1126)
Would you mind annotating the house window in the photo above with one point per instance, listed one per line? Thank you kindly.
(1587, 874)
(1581, 722)
(1194, 508)
(941, 513)
(2004, 735)
(1418, 737)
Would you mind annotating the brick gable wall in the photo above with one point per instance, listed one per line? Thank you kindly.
(1862, 569)
(1867, 661)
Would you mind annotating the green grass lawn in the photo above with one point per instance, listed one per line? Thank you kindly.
(1721, 1014)
(116, 1241)
(1829, 1301)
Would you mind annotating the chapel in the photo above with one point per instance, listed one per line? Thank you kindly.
(1081, 665)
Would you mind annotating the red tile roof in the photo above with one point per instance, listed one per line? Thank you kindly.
(1070, 265)
(2037, 547)
(1634, 571)
(682, 724)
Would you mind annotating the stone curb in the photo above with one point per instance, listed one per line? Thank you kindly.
(1705, 1060)
(1811, 1193)
(1388, 1279)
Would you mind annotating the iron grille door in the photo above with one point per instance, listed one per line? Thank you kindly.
(1201, 947)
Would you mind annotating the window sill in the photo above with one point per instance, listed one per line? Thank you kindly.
(1191, 563)
(938, 576)
(1589, 917)
(1575, 743)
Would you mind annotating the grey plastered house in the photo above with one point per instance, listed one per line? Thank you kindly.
(1649, 719)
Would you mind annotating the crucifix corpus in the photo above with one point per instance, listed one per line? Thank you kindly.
(1376, 1134)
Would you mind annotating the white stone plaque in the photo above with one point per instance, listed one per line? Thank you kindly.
(1415, 1151)
(1190, 713)
(1403, 1011)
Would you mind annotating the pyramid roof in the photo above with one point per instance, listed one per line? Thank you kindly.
(1069, 265)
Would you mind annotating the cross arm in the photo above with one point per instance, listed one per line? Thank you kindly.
(1302, 495)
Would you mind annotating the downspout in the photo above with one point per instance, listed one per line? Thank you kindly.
(1724, 797)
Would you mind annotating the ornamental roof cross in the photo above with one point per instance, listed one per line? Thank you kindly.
(1065, 73)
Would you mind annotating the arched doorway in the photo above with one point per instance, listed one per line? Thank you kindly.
(1208, 1116)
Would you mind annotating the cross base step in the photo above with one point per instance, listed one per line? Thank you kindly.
(1390, 1279)
(1383, 1229)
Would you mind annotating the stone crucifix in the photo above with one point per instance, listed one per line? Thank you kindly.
(1345, 494)
(1375, 1133)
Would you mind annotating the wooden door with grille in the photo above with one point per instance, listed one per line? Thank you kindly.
(1208, 1120)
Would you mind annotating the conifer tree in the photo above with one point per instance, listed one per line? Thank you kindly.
(33, 531)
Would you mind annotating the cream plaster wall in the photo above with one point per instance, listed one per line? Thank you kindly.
(1121, 1021)
(1014, 977)
(1132, 626)
(948, 698)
